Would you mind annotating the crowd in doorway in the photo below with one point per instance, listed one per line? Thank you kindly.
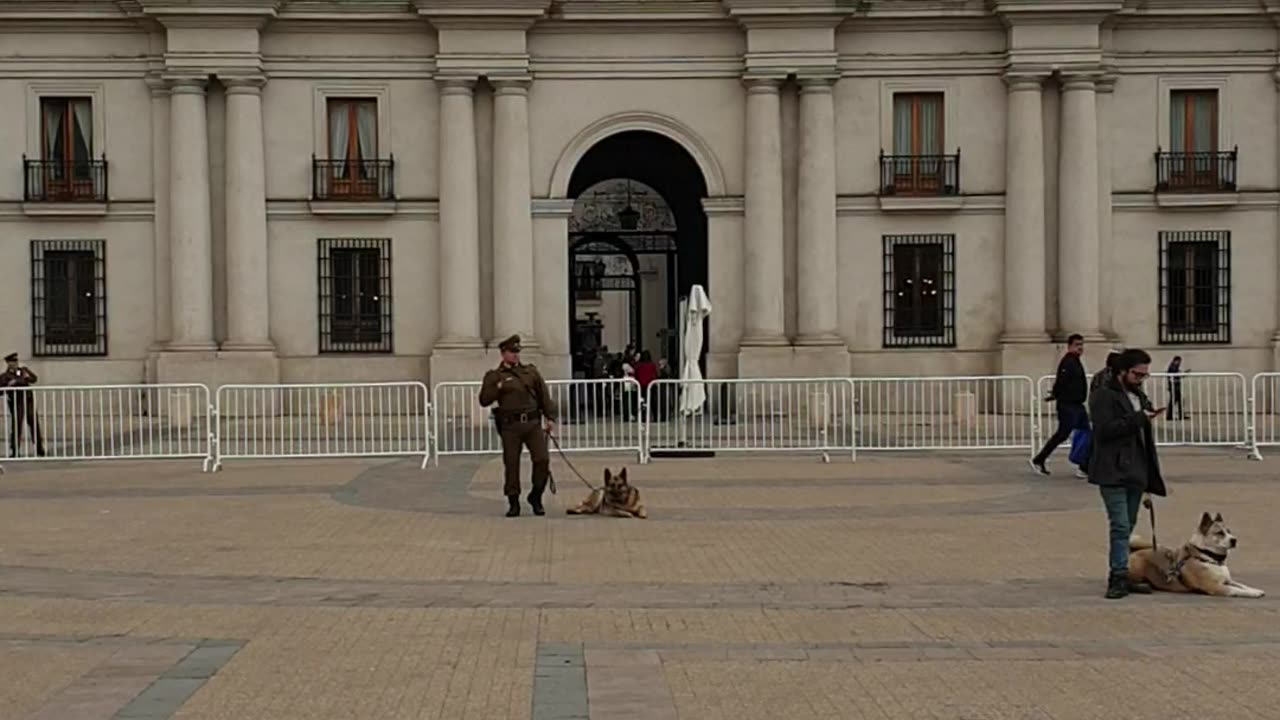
(622, 399)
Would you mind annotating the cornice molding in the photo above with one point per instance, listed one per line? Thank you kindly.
(638, 10)
(756, 14)
(1037, 12)
(491, 14)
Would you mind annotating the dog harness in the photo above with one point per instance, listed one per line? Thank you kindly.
(1175, 571)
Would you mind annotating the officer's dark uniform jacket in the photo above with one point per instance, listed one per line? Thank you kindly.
(520, 394)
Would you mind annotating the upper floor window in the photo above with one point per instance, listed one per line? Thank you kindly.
(1193, 121)
(68, 297)
(918, 164)
(353, 169)
(66, 169)
(919, 291)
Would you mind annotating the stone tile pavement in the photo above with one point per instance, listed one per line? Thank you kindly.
(905, 586)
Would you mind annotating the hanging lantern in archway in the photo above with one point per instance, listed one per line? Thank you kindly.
(628, 217)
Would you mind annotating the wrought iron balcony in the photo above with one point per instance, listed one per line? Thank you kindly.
(920, 175)
(1196, 171)
(80, 181)
(353, 179)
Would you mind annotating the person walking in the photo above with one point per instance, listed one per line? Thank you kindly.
(1124, 463)
(1070, 388)
(16, 381)
(525, 414)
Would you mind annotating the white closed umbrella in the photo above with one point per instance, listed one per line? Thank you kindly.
(693, 392)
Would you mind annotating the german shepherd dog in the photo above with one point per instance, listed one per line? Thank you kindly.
(1199, 566)
(617, 498)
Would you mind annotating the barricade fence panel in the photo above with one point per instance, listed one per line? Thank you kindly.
(323, 420)
(107, 422)
(945, 413)
(1265, 401)
(1202, 409)
(594, 416)
(756, 415)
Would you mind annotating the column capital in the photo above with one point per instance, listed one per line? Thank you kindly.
(1024, 80)
(457, 84)
(1082, 80)
(511, 84)
(243, 84)
(820, 83)
(186, 84)
(765, 84)
(1106, 82)
(158, 85)
(1276, 77)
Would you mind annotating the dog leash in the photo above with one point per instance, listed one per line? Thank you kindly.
(1151, 508)
(556, 442)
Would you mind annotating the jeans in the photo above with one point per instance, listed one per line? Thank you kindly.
(1122, 505)
(1070, 417)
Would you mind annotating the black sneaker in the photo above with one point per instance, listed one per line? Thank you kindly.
(1038, 467)
(1117, 587)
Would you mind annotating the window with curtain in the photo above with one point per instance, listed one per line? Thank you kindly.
(353, 145)
(66, 139)
(918, 141)
(1193, 138)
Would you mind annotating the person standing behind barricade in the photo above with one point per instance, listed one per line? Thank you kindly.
(1175, 388)
(1070, 388)
(16, 381)
(525, 414)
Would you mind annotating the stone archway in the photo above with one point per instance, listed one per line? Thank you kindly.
(660, 166)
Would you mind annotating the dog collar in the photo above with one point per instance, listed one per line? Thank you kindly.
(1217, 558)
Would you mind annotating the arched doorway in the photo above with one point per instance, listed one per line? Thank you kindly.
(637, 230)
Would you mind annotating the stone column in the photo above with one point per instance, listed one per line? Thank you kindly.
(459, 217)
(190, 222)
(763, 257)
(550, 293)
(1024, 242)
(513, 270)
(248, 301)
(816, 263)
(1078, 209)
(1106, 85)
(162, 308)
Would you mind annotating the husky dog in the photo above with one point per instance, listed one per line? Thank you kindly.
(617, 498)
(1199, 566)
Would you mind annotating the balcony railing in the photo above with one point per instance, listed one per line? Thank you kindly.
(353, 179)
(920, 174)
(64, 180)
(1196, 171)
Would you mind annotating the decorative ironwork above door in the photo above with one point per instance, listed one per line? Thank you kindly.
(621, 206)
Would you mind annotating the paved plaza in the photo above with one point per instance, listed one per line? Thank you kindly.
(950, 587)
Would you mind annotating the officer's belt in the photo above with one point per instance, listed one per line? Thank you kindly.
(515, 417)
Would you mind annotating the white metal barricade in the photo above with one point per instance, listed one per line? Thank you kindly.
(945, 413)
(753, 415)
(1265, 412)
(322, 421)
(1202, 409)
(108, 422)
(594, 416)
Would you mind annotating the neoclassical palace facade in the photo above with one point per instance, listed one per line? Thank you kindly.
(360, 190)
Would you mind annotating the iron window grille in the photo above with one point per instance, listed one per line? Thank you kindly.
(68, 298)
(355, 295)
(919, 291)
(1195, 286)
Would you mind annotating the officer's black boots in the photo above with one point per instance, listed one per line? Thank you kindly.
(535, 502)
(513, 506)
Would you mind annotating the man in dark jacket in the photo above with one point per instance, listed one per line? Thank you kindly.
(1070, 388)
(1124, 464)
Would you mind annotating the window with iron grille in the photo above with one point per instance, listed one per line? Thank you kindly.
(1195, 286)
(355, 295)
(68, 298)
(919, 291)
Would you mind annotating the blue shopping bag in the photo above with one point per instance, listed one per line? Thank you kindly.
(1081, 446)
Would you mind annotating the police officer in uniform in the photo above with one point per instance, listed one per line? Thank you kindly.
(525, 414)
(14, 382)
